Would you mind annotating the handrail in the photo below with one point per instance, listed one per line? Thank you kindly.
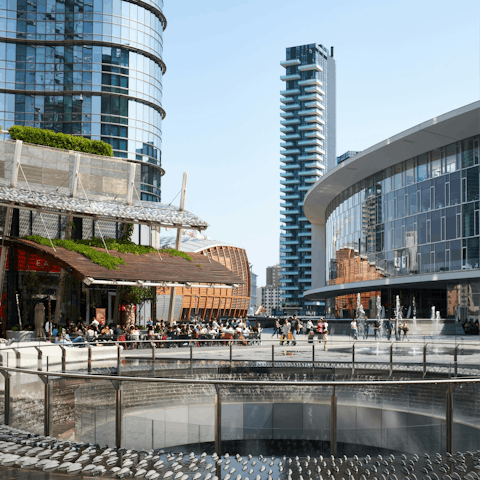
(223, 341)
(241, 382)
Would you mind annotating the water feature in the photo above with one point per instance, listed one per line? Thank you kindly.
(379, 316)
(414, 310)
(360, 317)
(398, 314)
(436, 324)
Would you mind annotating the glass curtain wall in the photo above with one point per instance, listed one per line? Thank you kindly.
(90, 68)
(420, 216)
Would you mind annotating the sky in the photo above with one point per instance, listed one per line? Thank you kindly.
(398, 64)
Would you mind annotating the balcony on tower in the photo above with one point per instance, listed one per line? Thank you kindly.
(292, 136)
(290, 166)
(315, 135)
(310, 97)
(305, 158)
(290, 63)
(292, 151)
(294, 76)
(310, 111)
(315, 104)
(315, 119)
(310, 81)
(311, 141)
(290, 106)
(290, 121)
(293, 91)
(315, 89)
(310, 66)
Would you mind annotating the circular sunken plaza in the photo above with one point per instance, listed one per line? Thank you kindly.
(340, 410)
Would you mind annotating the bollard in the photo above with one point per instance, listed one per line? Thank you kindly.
(119, 359)
(39, 359)
(391, 359)
(191, 356)
(333, 424)
(273, 356)
(89, 361)
(455, 365)
(231, 354)
(218, 428)
(6, 405)
(48, 405)
(64, 359)
(118, 412)
(18, 358)
(154, 348)
(353, 358)
(449, 418)
(425, 360)
(313, 358)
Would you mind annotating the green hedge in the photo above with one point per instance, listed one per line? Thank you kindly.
(49, 138)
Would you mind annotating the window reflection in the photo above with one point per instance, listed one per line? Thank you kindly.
(419, 216)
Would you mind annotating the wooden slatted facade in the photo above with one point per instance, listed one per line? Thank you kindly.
(211, 303)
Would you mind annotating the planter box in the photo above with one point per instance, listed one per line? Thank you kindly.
(21, 336)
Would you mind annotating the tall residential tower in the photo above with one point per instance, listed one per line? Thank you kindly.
(308, 141)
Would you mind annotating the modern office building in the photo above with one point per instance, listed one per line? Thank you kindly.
(346, 155)
(270, 299)
(273, 276)
(402, 218)
(92, 68)
(308, 141)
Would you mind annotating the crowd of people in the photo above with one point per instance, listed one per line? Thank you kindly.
(471, 328)
(160, 333)
(400, 332)
(286, 329)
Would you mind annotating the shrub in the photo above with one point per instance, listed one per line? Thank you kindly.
(49, 138)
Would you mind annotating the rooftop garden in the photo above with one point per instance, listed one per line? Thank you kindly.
(88, 248)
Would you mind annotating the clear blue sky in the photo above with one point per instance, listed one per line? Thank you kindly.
(398, 64)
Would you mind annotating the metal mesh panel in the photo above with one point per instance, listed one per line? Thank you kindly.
(108, 229)
(87, 228)
(25, 226)
(3, 215)
(51, 224)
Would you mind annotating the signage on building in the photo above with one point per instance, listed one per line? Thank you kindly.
(33, 263)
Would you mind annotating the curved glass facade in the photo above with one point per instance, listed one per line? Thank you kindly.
(90, 68)
(420, 216)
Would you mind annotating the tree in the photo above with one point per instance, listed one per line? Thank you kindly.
(133, 295)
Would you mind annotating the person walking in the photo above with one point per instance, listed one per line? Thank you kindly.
(354, 327)
(285, 330)
(320, 330)
(276, 328)
(388, 328)
(376, 327)
(325, 330)
(294, 329)
(404, 329)
(309, 326)
(365, 328)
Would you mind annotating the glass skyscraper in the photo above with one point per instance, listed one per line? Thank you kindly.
(87, 67)
(308, 151)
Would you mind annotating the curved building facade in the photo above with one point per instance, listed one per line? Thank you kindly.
(208, 303)
(403, 218)
(87, 67)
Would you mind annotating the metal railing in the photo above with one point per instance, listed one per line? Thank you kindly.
(119, 380)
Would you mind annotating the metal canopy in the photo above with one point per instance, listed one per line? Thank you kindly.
(148, 213)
